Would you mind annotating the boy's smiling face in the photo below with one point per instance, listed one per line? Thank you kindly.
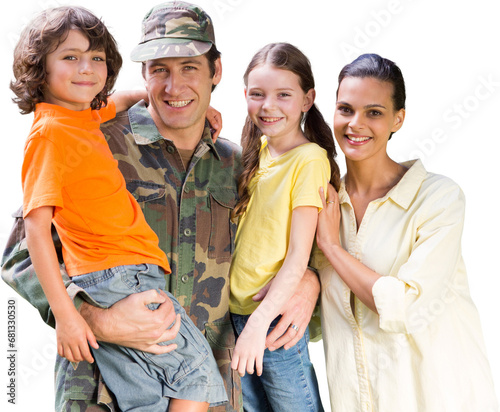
(75, 75)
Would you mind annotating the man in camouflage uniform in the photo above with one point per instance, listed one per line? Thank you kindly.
(187, 186)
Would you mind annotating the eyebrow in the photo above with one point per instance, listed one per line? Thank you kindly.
(183, 62)
(368, 106)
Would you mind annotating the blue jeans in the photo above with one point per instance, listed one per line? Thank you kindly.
(288, 381)
(143, 381)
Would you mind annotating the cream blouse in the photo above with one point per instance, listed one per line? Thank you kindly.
(424, 351)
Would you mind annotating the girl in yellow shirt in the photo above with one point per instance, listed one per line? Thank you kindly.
(284, 166)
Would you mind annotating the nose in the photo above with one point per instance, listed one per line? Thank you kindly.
(268, 103)
(356, 121)
(173, 84)
(86, 66)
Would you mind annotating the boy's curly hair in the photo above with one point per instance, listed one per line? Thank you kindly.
(42, 36)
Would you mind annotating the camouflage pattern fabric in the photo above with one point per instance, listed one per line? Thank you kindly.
(190, 212)
(175, 29)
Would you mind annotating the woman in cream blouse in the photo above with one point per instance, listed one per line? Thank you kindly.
(401, 332)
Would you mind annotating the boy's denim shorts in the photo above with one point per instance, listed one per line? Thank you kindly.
(143, 380)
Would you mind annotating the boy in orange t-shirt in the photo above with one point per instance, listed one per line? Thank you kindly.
(71, 179)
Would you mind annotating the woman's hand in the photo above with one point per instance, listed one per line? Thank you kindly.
(327, 233)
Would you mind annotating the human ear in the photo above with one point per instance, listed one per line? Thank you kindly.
(308, 100)
(245, 91)
(399, 119)
(218, 72)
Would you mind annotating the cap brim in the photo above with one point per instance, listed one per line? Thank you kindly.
(169, 47)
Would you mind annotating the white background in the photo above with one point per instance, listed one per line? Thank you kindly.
(448, 52)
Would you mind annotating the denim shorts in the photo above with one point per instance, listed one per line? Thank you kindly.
(143, 380)
(288, 381)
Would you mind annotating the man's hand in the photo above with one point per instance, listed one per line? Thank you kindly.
(297, 311)
(129, 322)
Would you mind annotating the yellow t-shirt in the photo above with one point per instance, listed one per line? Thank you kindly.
(280, 185)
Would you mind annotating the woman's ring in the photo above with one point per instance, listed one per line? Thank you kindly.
(331, 201)
(295, 327)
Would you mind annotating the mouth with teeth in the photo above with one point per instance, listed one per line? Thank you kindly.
(178, 103)
(270, 119)
(357, 139)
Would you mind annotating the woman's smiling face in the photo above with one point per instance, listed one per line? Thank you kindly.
(365, 117)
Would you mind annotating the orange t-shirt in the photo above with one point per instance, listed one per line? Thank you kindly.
(68, 165)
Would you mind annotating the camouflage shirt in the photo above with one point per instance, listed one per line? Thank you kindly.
(189, 209)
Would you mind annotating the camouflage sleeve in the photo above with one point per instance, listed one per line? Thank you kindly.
(18, 273)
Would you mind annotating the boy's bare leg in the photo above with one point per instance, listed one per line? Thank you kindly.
(182, 405)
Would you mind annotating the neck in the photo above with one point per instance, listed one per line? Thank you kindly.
(282, 144)
(373, 175)
(184, 138)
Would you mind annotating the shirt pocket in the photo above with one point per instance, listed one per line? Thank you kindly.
(152, 200)
(222, 230)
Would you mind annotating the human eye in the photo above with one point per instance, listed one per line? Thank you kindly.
(69, 57)
(344, 110)
(284, 94)
(256, 94)
(375, 113)
(99, 58)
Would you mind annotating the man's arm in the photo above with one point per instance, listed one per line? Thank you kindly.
(127, 319)
(130, 323)
(298, 311)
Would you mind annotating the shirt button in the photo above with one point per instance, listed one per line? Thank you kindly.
(184, 278)
(187, 232)
(170, 149)
(186, 189)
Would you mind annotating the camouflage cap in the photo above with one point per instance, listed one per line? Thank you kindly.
(174, 29)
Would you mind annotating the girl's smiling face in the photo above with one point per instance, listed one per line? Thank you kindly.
(276, 101)
(365, 117)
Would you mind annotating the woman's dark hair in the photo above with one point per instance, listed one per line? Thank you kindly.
(384, 70)
(287, 57)
(42, 36)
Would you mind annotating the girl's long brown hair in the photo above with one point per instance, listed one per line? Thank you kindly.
(288, 57)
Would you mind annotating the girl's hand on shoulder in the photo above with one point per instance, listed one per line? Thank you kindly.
(328, 230)
(215, 119)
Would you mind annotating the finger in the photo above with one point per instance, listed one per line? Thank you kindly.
(293, 342)
(85, 353)
(171, 333)
(166, 309)
(331, 193)
(68, 353)
(152, 296)
(258, 365)
(161, 349)
(250, 366)
(234, 362)
(322, 197)
(275, 335)
(261, 294)
(92, 340)
(286, 340)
